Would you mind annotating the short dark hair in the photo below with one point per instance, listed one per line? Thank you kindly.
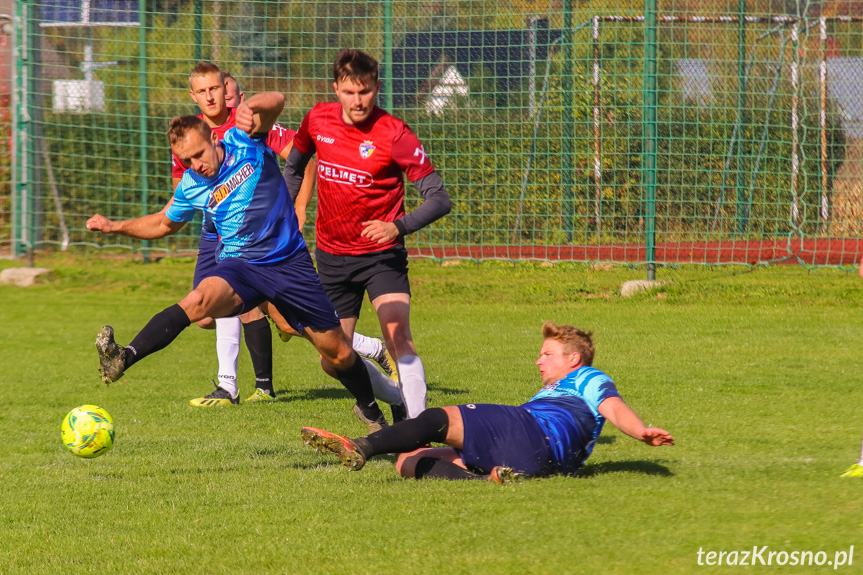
(355, 65)
(205, 69)
(182, 125)
(572, 338)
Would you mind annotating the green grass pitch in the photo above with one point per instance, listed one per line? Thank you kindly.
(757, 374)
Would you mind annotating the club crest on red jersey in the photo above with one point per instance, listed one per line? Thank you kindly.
(367, 148)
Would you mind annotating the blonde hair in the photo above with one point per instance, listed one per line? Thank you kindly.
(206, 69)
(572, 338)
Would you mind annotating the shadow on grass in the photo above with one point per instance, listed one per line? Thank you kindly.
(299, 466)
(641, 466)
(331, 460)
(267, 453)
(285, 395)
(449, 390)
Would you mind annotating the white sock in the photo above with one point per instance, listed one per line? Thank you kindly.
(228, 331)
(384, 388)
(413, 379)
(366, 346)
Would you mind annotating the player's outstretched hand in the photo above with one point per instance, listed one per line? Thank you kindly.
(656, 437)
(99, 223)
(861, 267)
(246, 119)
(380, 232)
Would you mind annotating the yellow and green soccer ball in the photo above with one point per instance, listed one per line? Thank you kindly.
(88, 431)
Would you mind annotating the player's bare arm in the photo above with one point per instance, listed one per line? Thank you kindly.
(299, 172)
(286, 150)
(258, 114)
(617, 412)
(307, 188)
(149, 227)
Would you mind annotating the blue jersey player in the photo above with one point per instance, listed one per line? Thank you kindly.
(263, 259)
(552, 433)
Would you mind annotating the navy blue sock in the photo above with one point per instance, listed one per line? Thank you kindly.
(259, 342)
(158, 334)
(356, 380)
(430, 425)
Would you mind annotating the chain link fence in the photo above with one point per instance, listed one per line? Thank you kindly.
(683, 132)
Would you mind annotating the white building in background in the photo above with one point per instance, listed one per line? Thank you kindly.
(78, 96)
(695, 81)
(845, 86)
(443, 95)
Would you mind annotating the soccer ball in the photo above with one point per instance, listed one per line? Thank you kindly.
(88, 431)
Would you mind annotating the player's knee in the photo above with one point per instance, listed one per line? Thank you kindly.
(342, 363)
(194, 306)
(406, 465)
(252, 315)
(343, 358)
(399, 340)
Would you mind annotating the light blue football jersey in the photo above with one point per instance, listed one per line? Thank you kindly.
(567, 411)
(248, 202)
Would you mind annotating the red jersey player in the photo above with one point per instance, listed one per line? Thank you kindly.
(362, 152)
(233, 95)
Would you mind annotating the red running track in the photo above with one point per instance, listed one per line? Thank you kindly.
(809, 251)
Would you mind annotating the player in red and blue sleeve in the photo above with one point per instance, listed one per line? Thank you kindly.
(363, 154)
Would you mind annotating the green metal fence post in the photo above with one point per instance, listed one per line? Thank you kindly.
(650, 136)
(568, 119)
(35, 133)
(20, 119)
(27, 134)
(142, 115)
(387, 71)
(741, 106)
(199, 23)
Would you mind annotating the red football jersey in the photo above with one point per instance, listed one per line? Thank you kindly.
(278, 139)
(359, 174)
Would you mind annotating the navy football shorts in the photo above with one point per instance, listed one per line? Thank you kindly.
(207, 253)
(291, 285)
(348, 278)
(504, 435)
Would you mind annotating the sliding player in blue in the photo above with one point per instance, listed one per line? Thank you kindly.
(263, 259)
(552, 433)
